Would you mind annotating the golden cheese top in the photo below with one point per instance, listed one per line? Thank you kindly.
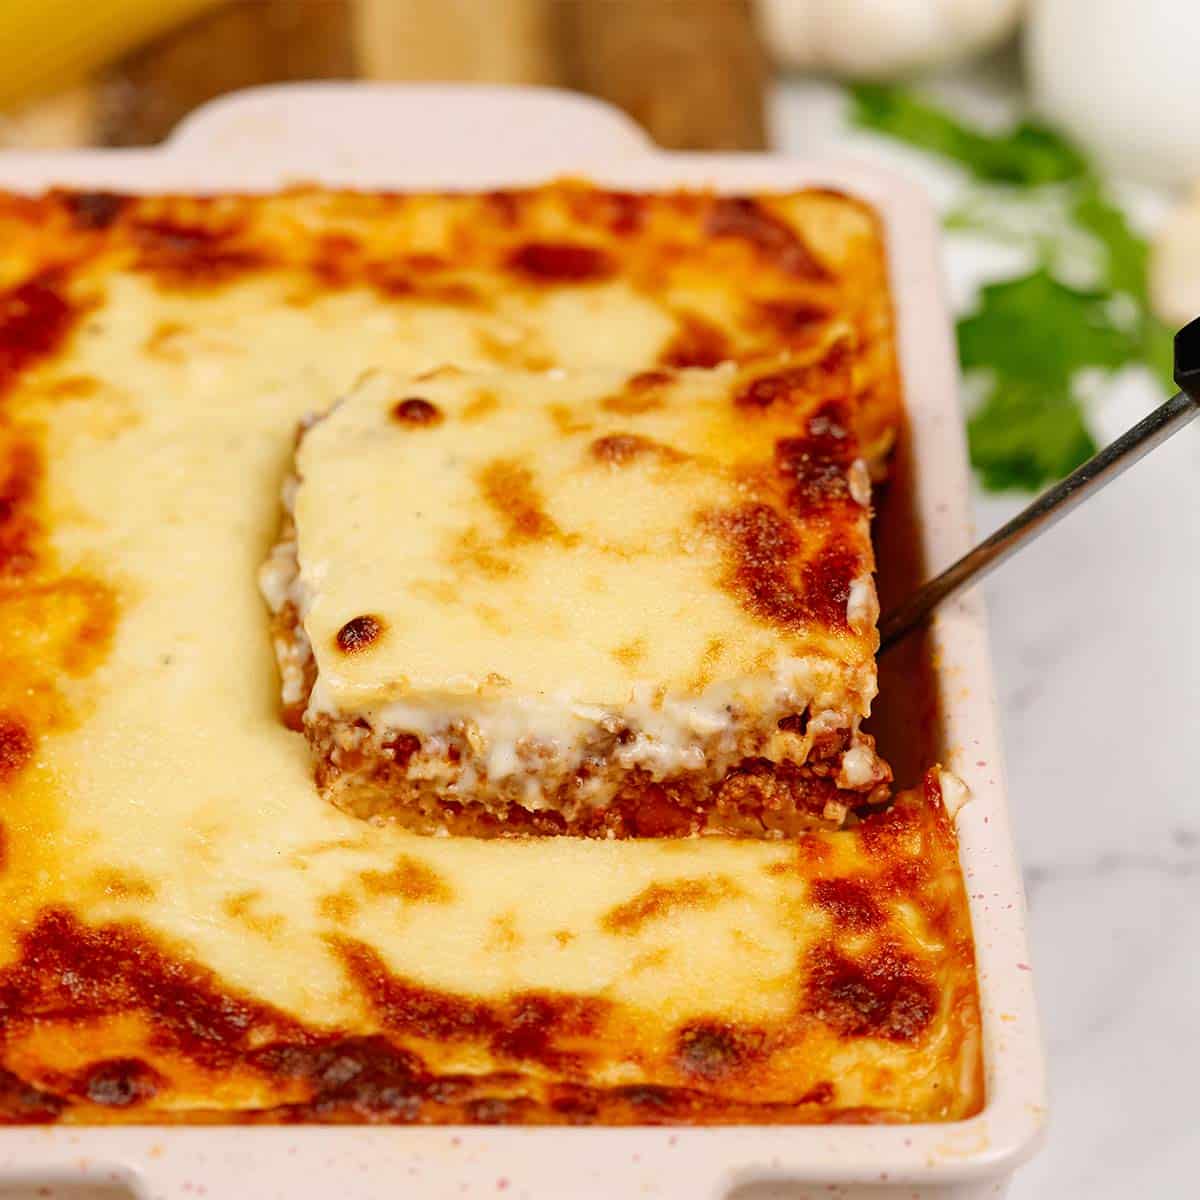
(561, 275)
(188, 931)
(586, 537)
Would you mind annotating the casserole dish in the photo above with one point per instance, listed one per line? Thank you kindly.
(470, 139)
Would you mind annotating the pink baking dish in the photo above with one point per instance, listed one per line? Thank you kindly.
(402, 136)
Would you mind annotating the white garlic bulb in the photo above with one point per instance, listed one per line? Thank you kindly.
(881, 39)
(1123, 79)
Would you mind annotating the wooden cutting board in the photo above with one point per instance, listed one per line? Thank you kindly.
(693, 72)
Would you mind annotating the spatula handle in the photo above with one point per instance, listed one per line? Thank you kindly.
(1067, 494)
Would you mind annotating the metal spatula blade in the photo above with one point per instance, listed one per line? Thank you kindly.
(1055, 503)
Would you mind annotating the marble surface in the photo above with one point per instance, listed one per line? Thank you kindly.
(1097, 658)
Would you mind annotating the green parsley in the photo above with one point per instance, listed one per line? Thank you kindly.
(1029, 337)
(1029, 154)
(1036, 330)
(1024, 436)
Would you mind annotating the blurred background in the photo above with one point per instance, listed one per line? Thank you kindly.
(1060, 142)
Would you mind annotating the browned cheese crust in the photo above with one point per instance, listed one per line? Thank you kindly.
(891, 973)
(741, 277)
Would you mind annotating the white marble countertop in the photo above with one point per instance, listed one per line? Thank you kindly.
(1097, 658)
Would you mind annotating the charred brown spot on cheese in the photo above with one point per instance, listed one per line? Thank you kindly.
(53, 627)
(336, 260)
(405, 1007)
(526, 1026)
(359, 633)
(828, 438)
(771, 236)
(122, 884)
(23, 1104)
(561, 262)
(649, 1100)
(94, 211)
(410, 879)
(850, 902)
(20, 477)
(795, 320)
(819, 1093)
(713, 1050)
(511, 493)
(660, 900)
(621, 213)
(16, 747)
(827, 579)
(497, 1111)
(761, 545)
(357, 1076)
(892, 833)
(620, 449)
(885, 994)
(182, 255)
(642, 394)
(416, 411)
(117, 1083)
(531, 1025)
(697, 342)
(35, 319)
(809, 850)
(827, 376)
(506, 207)
(67, 972)
(904, 878)
(816, 465)
(86, 611)
(417, 278)
(646, 381)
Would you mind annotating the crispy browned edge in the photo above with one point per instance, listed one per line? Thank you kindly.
(67, 974)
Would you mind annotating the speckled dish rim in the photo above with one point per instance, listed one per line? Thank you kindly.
(405, 136)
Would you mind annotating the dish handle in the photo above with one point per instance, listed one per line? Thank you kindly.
(374, 125)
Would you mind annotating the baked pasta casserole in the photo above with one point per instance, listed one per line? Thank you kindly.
(436, 636)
